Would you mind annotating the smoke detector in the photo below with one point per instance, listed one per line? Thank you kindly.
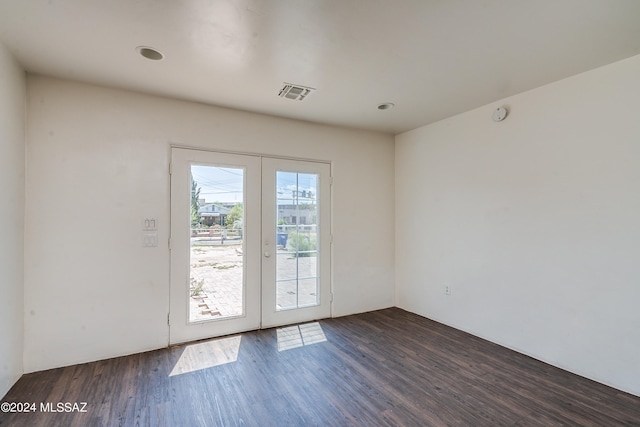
(500, 114)
(295, 92)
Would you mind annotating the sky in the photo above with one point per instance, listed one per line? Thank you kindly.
(224, 184)
(219, 184)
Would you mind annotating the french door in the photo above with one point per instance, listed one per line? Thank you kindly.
(250, 243)
(296, 239)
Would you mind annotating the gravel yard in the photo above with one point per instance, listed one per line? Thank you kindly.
(217, 280)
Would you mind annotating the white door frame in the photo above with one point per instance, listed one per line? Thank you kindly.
(180, 329)
(259, 228)
(271, 315)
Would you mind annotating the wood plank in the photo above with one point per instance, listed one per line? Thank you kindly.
(384, 368)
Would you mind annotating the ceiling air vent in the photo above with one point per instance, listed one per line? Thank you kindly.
(295, 92)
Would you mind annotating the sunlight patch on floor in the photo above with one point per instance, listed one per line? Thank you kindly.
(300, 335)
(207, 355)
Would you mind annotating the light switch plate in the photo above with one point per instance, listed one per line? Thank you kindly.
(150, 240)
(150, 224)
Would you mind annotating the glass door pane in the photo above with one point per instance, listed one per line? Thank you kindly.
(217, 248)
(297, 240)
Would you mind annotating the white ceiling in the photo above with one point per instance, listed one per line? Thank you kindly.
(432, 58)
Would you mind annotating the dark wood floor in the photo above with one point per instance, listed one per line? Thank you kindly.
(388, 367)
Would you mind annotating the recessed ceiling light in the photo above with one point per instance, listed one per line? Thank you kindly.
(150, 53)
(386, 106)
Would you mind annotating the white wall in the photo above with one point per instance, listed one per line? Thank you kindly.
(98, 164)
(12, 118)
(534, 222)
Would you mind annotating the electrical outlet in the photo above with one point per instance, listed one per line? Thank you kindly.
(447, 289)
